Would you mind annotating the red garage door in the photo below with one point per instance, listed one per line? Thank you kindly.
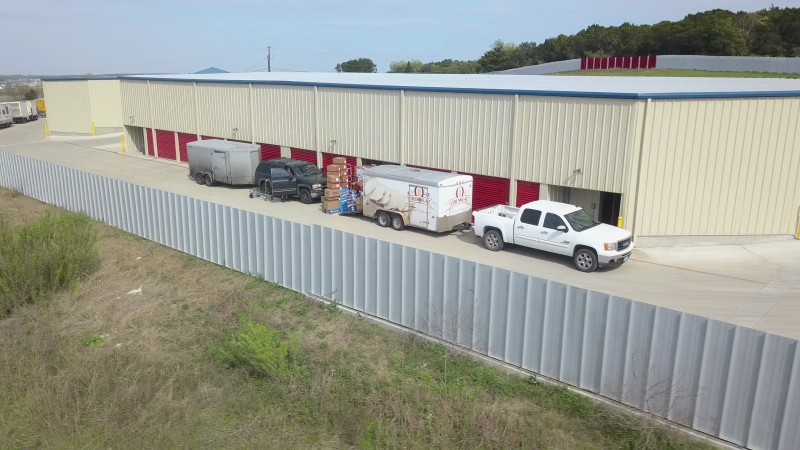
(150, 146)
(269, 151)
(327, 159)
(166, 144)
(305, 155)
(183, 139)
(527, 192)
(488, 191)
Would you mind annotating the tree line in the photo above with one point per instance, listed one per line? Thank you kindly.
(769, 32)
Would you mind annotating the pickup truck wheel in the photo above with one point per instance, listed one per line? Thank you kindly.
(305, 196)
(397, 222)
(208, 180)
(585, 260)
(493, 241)
(383, 219)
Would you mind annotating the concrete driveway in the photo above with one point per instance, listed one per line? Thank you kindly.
(752, 285)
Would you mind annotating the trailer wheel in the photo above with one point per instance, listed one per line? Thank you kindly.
(397, 222)
(305, 196)
(383, 219)
(493, 241)
(208, 180)
(198, 178)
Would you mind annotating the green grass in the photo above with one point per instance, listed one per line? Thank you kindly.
(207, 357)
(675, 73)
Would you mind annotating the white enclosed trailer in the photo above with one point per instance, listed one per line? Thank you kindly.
(33, 113)
(217, 161)
(6, 117)
(21, 111)
(401, 196)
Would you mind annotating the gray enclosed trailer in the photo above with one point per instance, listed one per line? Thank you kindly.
(216, 161)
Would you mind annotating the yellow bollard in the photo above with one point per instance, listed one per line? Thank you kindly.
(619, 222)
(93, 129)
(122, 142)
(46, 130)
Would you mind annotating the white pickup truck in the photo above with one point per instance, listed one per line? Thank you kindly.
(557, 228)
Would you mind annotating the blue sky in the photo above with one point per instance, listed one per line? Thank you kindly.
(173, 36)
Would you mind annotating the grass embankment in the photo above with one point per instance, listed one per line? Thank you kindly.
(675, 73)
(206, 357)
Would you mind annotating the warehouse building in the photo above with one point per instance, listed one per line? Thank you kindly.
(676, 160)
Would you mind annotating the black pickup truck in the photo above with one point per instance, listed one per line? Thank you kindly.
(291, 177)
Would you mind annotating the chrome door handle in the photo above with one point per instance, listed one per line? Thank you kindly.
(520, 227)
(544, 232)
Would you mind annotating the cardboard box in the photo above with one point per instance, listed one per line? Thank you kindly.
(329, 205)
(335, 168)
(335, 185)
(334, 179)
(332, 193)
(340, 161)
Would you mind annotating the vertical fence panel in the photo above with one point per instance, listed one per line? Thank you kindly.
(737, 383)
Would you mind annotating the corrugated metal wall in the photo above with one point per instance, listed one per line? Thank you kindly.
(173, 106)
(135, 103)
(720, 167)
(68, 108)
(730, 63)
(363, 122)
(284, 115)
(223, 108)
(556, 136)
(463, 132)
(105, 103)
(736, 383)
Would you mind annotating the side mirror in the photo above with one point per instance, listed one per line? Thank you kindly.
(561, 228)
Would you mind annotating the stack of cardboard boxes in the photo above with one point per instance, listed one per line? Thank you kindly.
(339, 195)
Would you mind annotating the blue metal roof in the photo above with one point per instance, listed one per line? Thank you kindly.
(550, 85)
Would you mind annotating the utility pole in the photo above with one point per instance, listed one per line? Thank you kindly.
(269, 59)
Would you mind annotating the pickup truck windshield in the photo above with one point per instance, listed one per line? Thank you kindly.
(580, 221)
(309, 169)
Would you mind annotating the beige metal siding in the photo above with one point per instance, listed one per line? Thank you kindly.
(68, 106)
(557, 135)
(464, 132)
(105, 103)
(364, 123)
(135, 103)
(223, 107)
(173, 106)
(284, 115)
(720, 167)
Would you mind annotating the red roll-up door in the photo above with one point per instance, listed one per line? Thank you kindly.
(428, 168)
(205, 138)
(488, 191)
(527, 191)
(183, 139)
(583, 63)
(652, 62)
(327, 159)
(635, 62)
(166, 144)
(305, 155)
(150, 146)
(269, 151)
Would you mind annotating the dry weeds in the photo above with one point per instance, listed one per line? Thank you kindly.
(155, 383)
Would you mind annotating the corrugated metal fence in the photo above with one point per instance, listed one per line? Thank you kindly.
(730, 63)
(736, 383)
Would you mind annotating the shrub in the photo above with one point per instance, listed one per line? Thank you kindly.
(41, 257)
(261, 351)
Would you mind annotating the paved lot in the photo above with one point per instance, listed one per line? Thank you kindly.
(753, 285)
